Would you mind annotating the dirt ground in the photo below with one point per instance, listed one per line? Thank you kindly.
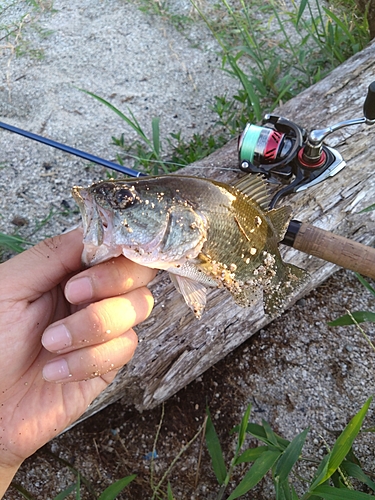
(296, 373)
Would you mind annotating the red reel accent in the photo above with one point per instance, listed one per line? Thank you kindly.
(311, 165)
(272, 146)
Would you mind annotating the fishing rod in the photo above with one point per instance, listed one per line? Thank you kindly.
(73, 151)
(281, 150)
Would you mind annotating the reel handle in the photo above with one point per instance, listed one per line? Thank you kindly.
(331, 247)
(369, 104)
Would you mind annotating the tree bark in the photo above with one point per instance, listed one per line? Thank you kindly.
(174, 346)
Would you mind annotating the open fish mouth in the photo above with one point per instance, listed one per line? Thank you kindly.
(97, 229)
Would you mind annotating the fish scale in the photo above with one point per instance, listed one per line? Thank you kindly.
(204, 233)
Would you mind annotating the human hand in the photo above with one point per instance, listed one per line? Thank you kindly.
(63, 338)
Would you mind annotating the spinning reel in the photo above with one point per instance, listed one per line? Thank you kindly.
(286, 153)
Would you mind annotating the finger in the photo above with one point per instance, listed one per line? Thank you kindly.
(43, 266)
(111, 278)
(99, 322)
(93, 361)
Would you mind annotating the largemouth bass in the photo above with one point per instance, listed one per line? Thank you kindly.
(204, 233)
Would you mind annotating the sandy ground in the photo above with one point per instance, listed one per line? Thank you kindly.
(296, 373)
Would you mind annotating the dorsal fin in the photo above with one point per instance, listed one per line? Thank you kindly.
(279, 218)
(256, 188)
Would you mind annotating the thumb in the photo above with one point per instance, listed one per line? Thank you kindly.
(43, 266)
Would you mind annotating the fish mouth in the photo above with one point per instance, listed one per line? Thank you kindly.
(97, 229)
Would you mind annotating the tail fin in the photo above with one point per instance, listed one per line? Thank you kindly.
(284, 289)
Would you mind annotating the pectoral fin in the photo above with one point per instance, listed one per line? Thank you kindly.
(194, 293)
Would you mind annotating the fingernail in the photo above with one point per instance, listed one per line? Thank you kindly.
(56, 338)
(73, 228)
(79, 290)
(56, 370)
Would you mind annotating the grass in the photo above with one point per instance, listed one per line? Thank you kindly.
(14, 36)
(281, 457)
(147, 153)
(15, 243)
(354, 318)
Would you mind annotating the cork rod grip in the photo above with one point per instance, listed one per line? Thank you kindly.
(336, 249)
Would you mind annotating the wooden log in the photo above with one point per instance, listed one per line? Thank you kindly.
(174, 346)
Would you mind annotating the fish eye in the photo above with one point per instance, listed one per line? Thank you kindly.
(123, 198)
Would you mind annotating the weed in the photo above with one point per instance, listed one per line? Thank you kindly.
(271, 69)
(13, 243)
(147, 153)
(329, 479)
(161, 8)
(156, 488)
(17, 244)
(280, 456)
(358, 316)
(13, 35)
(307, 41)
(109, 493)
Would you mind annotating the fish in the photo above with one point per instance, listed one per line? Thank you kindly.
(204, 233)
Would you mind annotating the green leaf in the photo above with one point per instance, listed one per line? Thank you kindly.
(354, 470)
(215, 451)
(169, 491)
(342, 25)
(259, 469)
(330, 493)
(242, 429)
(112, 491)
(359, 317)
(271, 436)
(156, 135)
(64, 494)
(290, 457)
(132, 122)
(13, 243)
(283, 490)
(321, 470)
(251, 454)
(368, 209)
(248, 87)
(259, 432)
(78, 487)
(366, 284)
(341, 447)
(301, 10)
